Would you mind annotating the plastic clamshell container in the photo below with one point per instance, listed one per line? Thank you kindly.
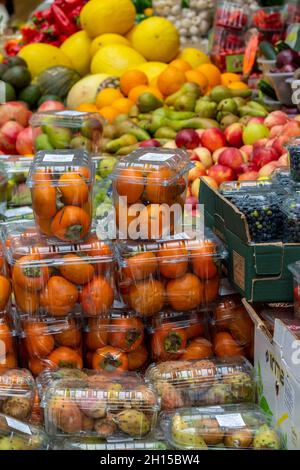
(295, 270)
(17, 435)
(228, 48)
(234, 188)
(183, 273)
(225, 427)
(60, 130)
(291, 218)
(263, 214)
(47, 277)
(16, 169)
(281, 85)
(269, 19)
(231, 15)
(293, 148)
(178, 336)
(142, 182)
(49, 343)
(283, 312)
(17, 391)
(282, 177)
(116, 340)
(95, 444)
(8, 343)
(103, 405)
(102, 192)
(203, 382)
(61, 184)
(265, 65)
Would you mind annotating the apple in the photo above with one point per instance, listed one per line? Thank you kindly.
(279, 144)
(248, 176)
(234, 134)
(24, 142)
(276, 118)
(231, 157)
(171, 144)
(256, 120)
(275, 131)
(195, 188)
(284, 160)
(291, 129)
(210, 181)
(213, 139)
(196, 172)
(51, 105)
(203, 155)
(263, 156)
(217, 153)
(221, 173)
(261, 143)
(192, 200)
(246, 168)
(15, 111)
(247, 149)
(150, 143)
(8, 136)
(187, 139)
(254, 132)
(267, 169)
(200, 133)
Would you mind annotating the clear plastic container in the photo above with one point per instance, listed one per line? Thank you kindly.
(295, 270)
(17, 435)
(101, 405)
(5, 284)
(282, 177)
(182, 273)
(16, 169)
(61, 185)
(234, 188)
(293, 148)
(102, 192)
(204, 382)
(61, 130)
(269, 19)
(145, 183)
(282, 86)
(228, 48)
(231, 15)
(291, 218)
(263, 214)
(265, 65)
(8, 344)
(51, 343)
(115, 343)
(269, 313)
(176, 336)
(96, 444)
(3, 187)
(58, 279)
(17, 392)
(227, 427)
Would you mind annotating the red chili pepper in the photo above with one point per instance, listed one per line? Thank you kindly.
(62, 21)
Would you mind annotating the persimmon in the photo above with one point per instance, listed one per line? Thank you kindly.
(168, 342)
(147, 297)
(158, 189)
(224, 312)
(110, 359)
(199, 348)
(9, 361)
(38, 340)
(76, 270)
(44, 225)
(97, 297)
(126, 333)
(225, 345)
(140, 266)
(6, 339)
(130, 183)
(203, 262)
(5, 291)
(36, 365)
(195, 327)
(73, 188)
(241, 327)
(29, 273)
(155, 220)
(26, 301)
(173, 259)
(71, 224)
(44, 200)
(70, 336)
(59, 296)
(211, 289)
(66, 357)
(99, 250)
(84, 172)
(123, 219)
(96, 335)
(138, 357)
(42, 176)
(185, 293)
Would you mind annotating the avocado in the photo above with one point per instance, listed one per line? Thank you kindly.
(12, 61)
(30, 95)
(3, 68)
(10, 94)
(18, 76)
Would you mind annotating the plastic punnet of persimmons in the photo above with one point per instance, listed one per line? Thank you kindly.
(171, 80)
(132, 79)
(107, 96)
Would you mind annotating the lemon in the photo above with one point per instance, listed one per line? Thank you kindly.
(105, 39)
(156, 39)
(194, 57)
(40, 57)
(102, 16)
(85, 91)
(77, 48)
(114, 59)
(151, 69)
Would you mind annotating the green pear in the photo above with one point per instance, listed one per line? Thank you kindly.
(185, 103)
(219, 93)
(148, 102)
(206, 109)
(42, 143)
(81, 143)
(106, 166)
(59, 137)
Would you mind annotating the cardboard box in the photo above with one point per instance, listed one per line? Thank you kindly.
(257, 270)
(277, 363)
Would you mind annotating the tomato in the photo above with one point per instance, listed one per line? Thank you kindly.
(126, 333)
(110, 359)
(199, 348)
(59, 296)
(29, 273)
(76, 270)
(97, 297)
(138, 357)
(168, 342)
(66, 357)
(73, 188)
(71, 224)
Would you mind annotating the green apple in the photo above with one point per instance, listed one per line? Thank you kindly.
(254, 132)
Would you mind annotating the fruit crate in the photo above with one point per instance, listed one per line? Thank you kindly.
(259, 271)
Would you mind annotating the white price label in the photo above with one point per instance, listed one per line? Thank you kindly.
(58, 158)
(18, 425)
(18, 211)
(155, 157)
(70, 113)
(233, 420)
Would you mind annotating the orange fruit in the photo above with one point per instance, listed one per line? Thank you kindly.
(170, 80)
(197, 77)
(212, 73)
(107, 96)
(138, 90)
(227, 78)
(131, 79)
(181, 64)
(87, 108)
(109, 113)
(238, 86)
(123, 105)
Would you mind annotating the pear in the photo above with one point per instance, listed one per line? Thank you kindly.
(59, 137)
(185, 102)
(187, 88)
(81, 143)
(219, 93)
(148, 102)
(165, 133)
(42, 143)
(206, 109)
(106, 166)
(90, 127)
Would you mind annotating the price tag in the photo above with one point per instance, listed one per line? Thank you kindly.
(70, 113)
(58, 158)
(233, 420)
(18, 425)
(154, 157)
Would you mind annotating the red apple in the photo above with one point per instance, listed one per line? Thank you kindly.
(187, 139)
(276, 118)
(267, 169)
(259, 144)
(234, 134)
(213, 139)
(15, 111)
(51, 105)
(263, 156)
(275, 131)
(284, 160)
(279, 144)
(150, 143)
(291, 129)
(248, 176)
(24, 142)
(8, 136)
(217, 153)
(196, 172)
(247, 149)
(200, 132)
(210, 181)
(193, 201)
(221, 173)
(246, 168)
(231, 157)
(203, 155)
(256, 120)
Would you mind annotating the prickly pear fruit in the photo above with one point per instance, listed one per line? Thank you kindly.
(185, 436)
(241, 386)
(266, 438)
(17, 407)
(65, 415)
(133, 422)
(105, 427)
(239, 439)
